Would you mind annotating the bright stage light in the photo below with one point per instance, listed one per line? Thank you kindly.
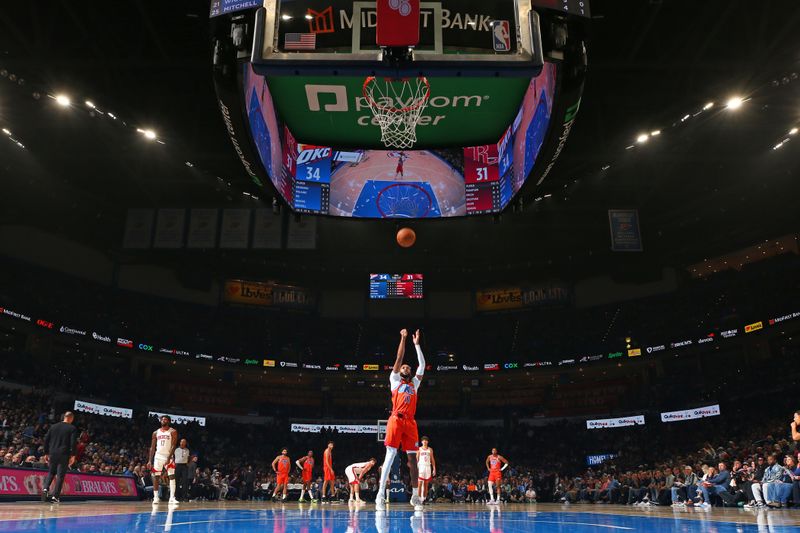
(735, 102)
(63, 100)
(642, 138)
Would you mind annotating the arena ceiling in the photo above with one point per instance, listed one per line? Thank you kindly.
(707, 185)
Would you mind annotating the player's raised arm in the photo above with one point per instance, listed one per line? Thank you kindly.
(401, 351)
(420, 355)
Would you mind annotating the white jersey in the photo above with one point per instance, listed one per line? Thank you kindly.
(424, 457)
(163, 442)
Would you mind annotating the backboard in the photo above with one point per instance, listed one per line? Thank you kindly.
(456, 37)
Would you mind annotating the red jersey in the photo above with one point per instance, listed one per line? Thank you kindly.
(495, 464)
(283, 465)
(327, 459)
(308, 465)
(404, 397)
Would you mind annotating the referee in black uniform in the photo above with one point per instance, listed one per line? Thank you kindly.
(59, 453)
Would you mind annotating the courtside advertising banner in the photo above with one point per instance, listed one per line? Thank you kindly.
(180, 419)
(603, 423)
(343, 428)
(23, 483)
(104, 410)
(691, 414)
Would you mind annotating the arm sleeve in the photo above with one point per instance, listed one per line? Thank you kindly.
(394, 380)
(420, 360)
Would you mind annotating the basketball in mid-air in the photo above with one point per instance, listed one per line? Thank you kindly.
(406, 237)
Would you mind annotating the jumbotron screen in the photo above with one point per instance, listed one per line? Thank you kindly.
(371, 183)
(395, 286)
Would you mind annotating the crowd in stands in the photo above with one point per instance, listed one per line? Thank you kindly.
(748, 459)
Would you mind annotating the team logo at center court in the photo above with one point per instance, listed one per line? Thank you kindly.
(401, 6)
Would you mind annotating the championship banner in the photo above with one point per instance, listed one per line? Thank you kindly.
(691, 414)
(26, 483)
(498, 299)
(235, 231)
(637, 420)
(138, 229)
(624, 227)
(344, 428)
(267, 230)
(180, 419)
(169, 228)
(104, 410)
(202, 228)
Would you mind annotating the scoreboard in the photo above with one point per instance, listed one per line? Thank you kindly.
(486, 172)
(395, 286)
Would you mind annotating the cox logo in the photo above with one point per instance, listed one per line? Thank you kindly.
(146, 347)
(511, 365)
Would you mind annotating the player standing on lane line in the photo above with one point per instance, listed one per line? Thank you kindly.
(306, 464)
(162, 452)
(495, 464)
(280, 465)
(401, 429)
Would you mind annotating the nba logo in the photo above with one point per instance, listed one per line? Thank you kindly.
(501, 36)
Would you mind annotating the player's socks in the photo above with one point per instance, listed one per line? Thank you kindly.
(302, 494)
(491, 493)
(172, 489)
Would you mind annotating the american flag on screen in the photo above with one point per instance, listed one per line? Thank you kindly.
(300, 41)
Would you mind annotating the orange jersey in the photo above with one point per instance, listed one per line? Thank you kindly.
(495, 464)
(327, 458)
(283, 465)
(404, 399)
(308, 465)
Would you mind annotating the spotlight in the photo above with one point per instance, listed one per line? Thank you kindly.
(655, 132)
(734, 102)
(309, 17)
(149, 134)
(6, 131)
(642, 138)
(793, 131)
(708, 106)
(63, 100)
(286, 17)
(89, 104)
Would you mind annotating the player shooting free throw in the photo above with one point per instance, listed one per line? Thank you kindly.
(401, 430)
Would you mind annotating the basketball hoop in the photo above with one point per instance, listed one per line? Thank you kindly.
(397, 105)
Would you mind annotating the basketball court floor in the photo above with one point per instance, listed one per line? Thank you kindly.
(442, 518)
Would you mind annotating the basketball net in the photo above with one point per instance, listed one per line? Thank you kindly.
(397, 105)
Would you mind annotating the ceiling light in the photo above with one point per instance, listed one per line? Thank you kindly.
(685, 118)
(112, 115)
(793, 131)
(62, 100)
(655, 132)
(6, 131)
(286, 17)
(309, 17)
(642, 138)
(708, 106)
(89, 104)
(735, 102)
(149, 134)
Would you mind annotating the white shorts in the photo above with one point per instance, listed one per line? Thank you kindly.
(351, 476)
(161, 462)
(425, 472)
